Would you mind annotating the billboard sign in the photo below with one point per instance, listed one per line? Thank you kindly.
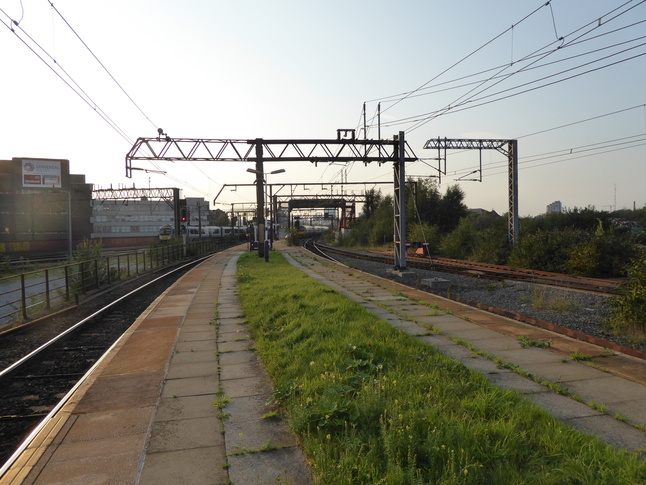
(41, 173)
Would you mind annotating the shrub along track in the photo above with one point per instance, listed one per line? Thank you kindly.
(531, 298)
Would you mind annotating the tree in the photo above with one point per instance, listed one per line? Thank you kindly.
(373, 198)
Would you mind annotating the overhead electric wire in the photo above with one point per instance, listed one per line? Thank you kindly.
(82, 94)
(532, 68)
(420, 120)
(452, 107)
(101, 64)
(409, 94)
(426, 117)
(469, 55)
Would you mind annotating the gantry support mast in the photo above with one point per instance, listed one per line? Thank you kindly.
(345, 148)
(506, 147)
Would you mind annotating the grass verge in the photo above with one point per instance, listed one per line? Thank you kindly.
(373, 405)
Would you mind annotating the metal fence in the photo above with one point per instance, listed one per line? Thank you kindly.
(34, 293)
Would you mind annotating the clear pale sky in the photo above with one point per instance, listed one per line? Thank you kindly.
(302, 69)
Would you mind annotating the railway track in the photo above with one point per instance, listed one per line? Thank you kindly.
(482, 270)
(39, 383)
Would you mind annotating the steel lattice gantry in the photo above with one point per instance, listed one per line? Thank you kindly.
(345, 148)
(506, 147)
(169, 195)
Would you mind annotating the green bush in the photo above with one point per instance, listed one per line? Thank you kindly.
(629, 308)
(458, 244)
(491, 246)
(547, 251)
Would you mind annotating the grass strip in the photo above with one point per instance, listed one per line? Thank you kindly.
(373, 405)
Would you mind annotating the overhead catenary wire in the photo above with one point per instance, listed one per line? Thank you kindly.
(595, 25)
(582, 35)
(101, 64)
(71, 83)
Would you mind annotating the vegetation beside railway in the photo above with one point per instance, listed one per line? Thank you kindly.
(373, 405)
(578, 242)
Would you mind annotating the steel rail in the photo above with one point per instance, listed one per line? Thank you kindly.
(14, 367)
(490, 271)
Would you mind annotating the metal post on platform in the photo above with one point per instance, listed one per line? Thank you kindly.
(399, 169)
(260, 197)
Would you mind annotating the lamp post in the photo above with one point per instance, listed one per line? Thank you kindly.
(263, 241)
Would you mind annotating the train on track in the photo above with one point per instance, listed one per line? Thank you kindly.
(167, 232)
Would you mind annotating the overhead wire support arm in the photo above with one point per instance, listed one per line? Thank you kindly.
(231, 150)
(509, 148)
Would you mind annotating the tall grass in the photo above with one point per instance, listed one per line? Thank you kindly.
(375, 406)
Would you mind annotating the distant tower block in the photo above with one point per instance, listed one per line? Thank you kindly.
(555, 206)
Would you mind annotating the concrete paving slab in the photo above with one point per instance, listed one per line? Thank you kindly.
(176, 408)
(142, 352)
(286, 465)
(238, 357)
(564, 372)
(185, 434)
(528, 356)
(609, 389)
(231, 322)
(160, 322)
(192, 369)
(483, 365)
(103, 425)
(109, 393)
(611, 431)
(475, 333)
(186, 331)
(634, 410)
(247, 386)
(449, 327)
(235, 346)
(206, 334)
(256, 435)
(411, 328)
(235, 336)
(117, 445)
(562, 407)
(495, 344)
(191, 386)
(197, 345)
(99, 469)
(191, 357)
(515, 382)
(241, 370)
(249, 407)
(186, 467)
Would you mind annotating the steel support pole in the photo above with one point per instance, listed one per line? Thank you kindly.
(399, 169)
(260, 197)
(512, 153)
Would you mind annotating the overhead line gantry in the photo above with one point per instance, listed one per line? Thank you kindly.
(506, 147)
(345, 148)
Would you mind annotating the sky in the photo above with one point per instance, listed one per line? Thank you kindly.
(565, 78)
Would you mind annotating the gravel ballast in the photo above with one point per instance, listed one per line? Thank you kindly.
(577, 310)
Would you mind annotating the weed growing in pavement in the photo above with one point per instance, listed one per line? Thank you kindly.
(580, 356)
(372, 404)
(526, 342)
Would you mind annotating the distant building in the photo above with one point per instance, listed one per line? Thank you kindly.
(39, 201)
(129, 218)
(482, 212)
(554, 207)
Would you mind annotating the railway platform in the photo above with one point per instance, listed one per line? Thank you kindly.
(152, 411)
